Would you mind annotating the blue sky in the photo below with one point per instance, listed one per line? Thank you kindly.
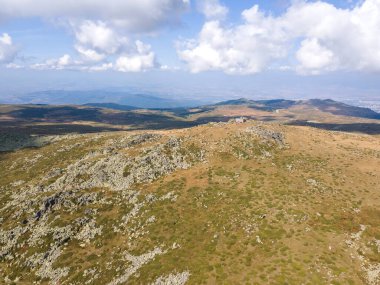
(207, 49)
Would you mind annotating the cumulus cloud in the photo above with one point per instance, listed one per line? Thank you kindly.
(7, 49)
(63, 62)
(314, 58)
(101, 47)
(316, 35)
(212, 9)
(5, 39)
(142, 60)
(101, 67)
(141, 16)
(67, 62)
(104, 32)
(95, 40)
(89, 54)
(98, 36)
(236, 50)
(138, 58)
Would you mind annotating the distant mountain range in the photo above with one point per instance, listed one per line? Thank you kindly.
(112, 106)
(126, 101)
(267, 105)
(327, 105)
(95, 117)
(63, 97)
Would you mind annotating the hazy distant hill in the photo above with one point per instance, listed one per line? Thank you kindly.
(124, 101)
(63, 97)
(112, 106)
(338, 108)
(95, 117)
(265, 105)
(328, 106)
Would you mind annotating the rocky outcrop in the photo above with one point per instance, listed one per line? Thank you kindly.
(136, 263)
(173, 279)
(370, 268)
(69, 190)
(268, 135)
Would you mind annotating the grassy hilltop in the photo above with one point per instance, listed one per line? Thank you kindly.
(222, 203)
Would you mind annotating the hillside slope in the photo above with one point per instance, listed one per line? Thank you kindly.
(222, 203)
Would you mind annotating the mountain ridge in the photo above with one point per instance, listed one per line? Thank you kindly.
(227, 202)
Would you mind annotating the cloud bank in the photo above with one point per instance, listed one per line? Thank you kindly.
(135, 16)
(310, 37)
(106, 33)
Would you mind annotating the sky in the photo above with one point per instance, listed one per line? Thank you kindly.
(204, 49)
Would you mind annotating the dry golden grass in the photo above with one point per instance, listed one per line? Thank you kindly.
(249, 219)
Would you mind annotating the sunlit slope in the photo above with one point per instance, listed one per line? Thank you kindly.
(250, 203)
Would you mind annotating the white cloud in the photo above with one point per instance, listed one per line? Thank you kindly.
(89, 54)
(212, 9)
(63, 62)
(140, 58)
(316, 35)
(5, 39)
(98, 36)
(96, 40)
(313, 57)
(102, 67)
(242, 49)
(169, 67)
(101, 48)
(13, 66)
(143, 59)
(141, 15)
(7, 50)
(102, 30)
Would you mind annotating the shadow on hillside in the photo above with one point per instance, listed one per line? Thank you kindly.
(205, 120)
(366, 128)
(17, 136)
(52, 129)
(55, 114)
(143, 121)
(59, 117)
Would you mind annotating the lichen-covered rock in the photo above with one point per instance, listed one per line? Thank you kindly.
(173, 279)
(137, 263)
(44, 263)
(267, 134)
(89, 231)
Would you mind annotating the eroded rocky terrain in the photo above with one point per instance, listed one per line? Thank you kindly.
(234, 203)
